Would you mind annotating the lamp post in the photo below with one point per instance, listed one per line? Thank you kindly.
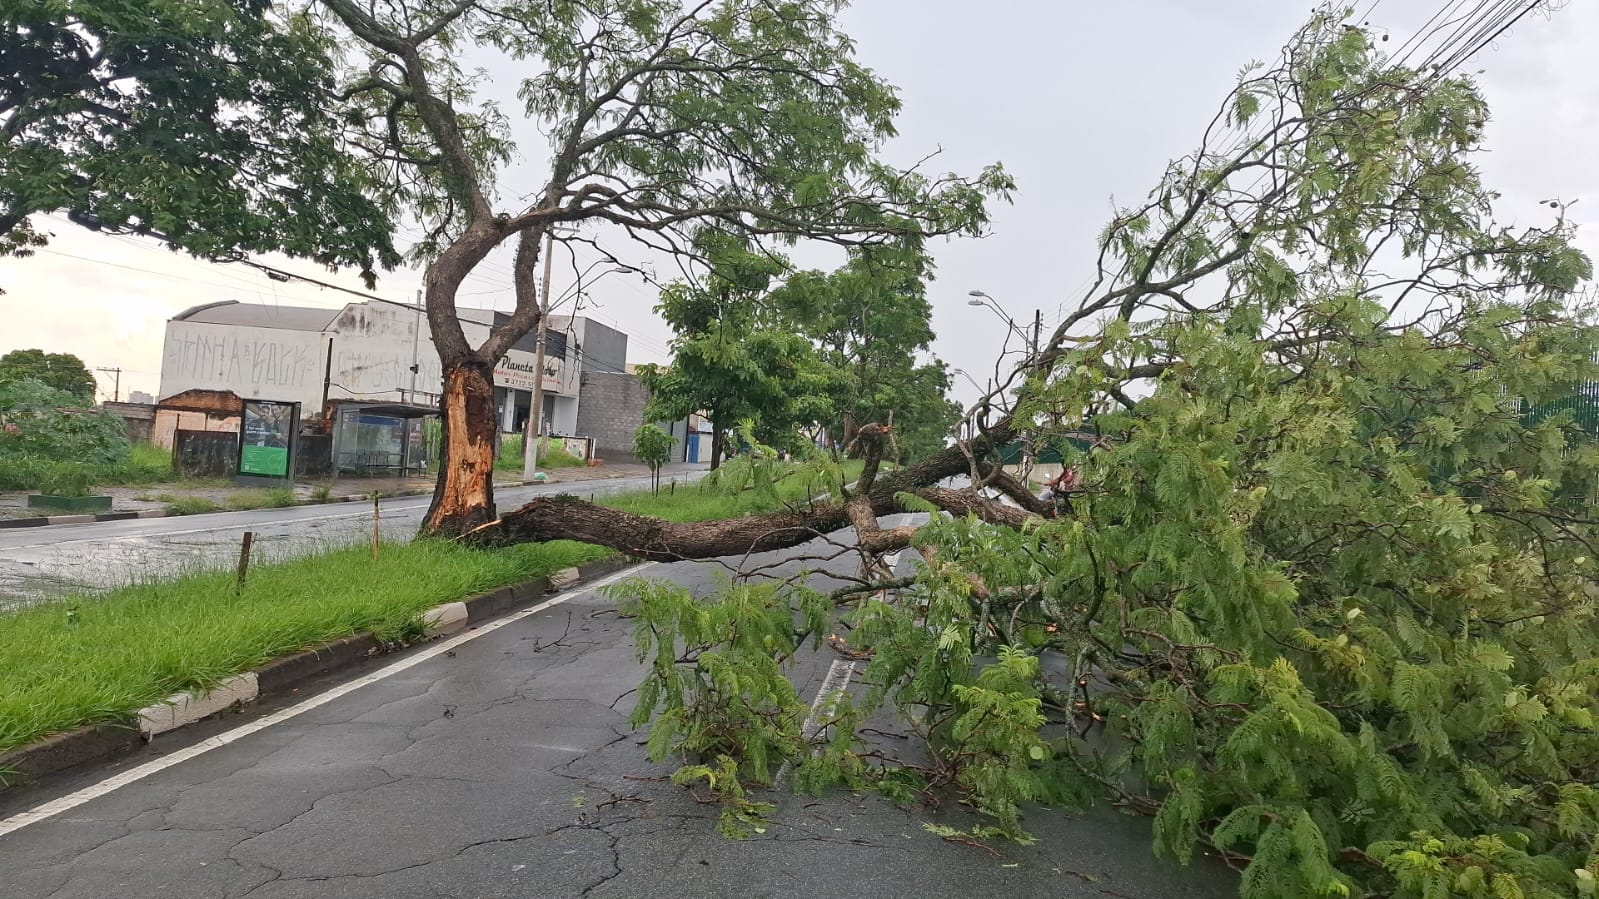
(979, 298)
(534, 434)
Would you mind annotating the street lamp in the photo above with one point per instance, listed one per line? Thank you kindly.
(979, 298)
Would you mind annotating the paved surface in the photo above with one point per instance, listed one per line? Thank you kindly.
(36, 563)
(505, 768)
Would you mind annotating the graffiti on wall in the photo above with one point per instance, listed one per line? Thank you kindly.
(249, 360)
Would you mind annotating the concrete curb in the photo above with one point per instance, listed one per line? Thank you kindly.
(81, 519)
(286, 674)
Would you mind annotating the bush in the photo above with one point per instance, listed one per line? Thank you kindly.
(38, 421)
(147, 465)
(551, 455)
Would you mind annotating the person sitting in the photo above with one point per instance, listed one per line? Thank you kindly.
(1061, 486)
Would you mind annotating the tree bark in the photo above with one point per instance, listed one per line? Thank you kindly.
(717, 441)
(569, 518)
(464, 496)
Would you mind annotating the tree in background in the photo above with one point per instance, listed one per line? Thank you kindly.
(663, 118)
(61, 371)
(735, 356)
(38, 421)
(871, 322)
(209, 123)
(653, 447)
(1322, 597)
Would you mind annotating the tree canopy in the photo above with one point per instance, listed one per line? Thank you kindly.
(61, 371)
(1322, 599)
(211, 124)
(750, 117)
(871, 322)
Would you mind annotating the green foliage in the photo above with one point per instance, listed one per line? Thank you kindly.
(653, 447)
(715, 685)
(146, 464)
(189, 505)
(60, 371)
(735, 355)
(208, 122)
(40, 422)
(552, 454)
(871, 322)
(740, 817)
(1325, 597)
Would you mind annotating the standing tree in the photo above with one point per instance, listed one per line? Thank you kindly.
(653, 447)
(62, 371)
(736, 356)
(745, 115)
(870, 321)
(208, 123)
(1323, 597)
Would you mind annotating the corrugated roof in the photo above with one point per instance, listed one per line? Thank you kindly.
(258, 315)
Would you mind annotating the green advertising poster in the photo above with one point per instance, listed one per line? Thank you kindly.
(265, 461)
(266, 438)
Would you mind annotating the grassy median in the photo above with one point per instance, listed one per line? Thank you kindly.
(95, 658)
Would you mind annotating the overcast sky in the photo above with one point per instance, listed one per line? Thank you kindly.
(1081, 102)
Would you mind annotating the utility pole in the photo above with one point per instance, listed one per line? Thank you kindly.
(1038, 330)
(534, 433)
(416, 340)
(116, 383)
(327, 380)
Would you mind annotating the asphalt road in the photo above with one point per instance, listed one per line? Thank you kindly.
(36, 563)
(500, 764)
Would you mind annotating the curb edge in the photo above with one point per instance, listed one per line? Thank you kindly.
(286, 674)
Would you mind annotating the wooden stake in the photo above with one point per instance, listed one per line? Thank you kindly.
(375, 517)
(244, 557)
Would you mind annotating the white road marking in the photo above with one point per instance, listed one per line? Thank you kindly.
(133, 775)
(835, 683)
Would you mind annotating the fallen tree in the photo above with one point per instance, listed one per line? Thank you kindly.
(1323, 599)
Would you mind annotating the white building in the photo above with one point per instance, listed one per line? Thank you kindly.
(372, 351)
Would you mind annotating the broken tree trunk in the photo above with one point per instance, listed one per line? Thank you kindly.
(569, 518)
(464, 497)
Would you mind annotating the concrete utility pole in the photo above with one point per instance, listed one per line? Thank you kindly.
(116, 383)
(530, 442)
(416, 340)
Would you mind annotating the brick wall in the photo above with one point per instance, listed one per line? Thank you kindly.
(610, 408)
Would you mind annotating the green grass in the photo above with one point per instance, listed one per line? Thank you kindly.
(188, 505)
(551, 455)
(96, 658)
(270, 498)
(146, 464)
(74, 662)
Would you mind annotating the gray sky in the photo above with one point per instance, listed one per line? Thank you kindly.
(1081, 101)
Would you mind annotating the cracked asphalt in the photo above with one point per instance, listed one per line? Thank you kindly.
(507, 769)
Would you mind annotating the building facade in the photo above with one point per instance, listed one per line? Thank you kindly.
(373, 351)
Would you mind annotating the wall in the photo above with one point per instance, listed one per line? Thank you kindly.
(205, 454)
(169, 421)
(374, 346)
(611, 409)
(563, 415)
(255, 363)
(137, 416)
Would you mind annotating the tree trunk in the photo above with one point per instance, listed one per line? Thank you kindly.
(717, 440)
(464, 497)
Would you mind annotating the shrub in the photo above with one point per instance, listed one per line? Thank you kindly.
(38, 421)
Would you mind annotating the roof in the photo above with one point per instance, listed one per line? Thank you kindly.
(259, 315)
